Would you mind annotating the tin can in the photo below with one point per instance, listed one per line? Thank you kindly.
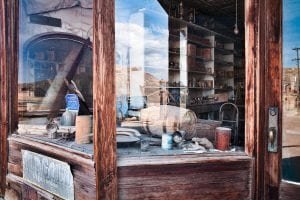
(166, 141)
(222, 138)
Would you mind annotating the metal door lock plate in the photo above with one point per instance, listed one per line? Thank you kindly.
(273, 130)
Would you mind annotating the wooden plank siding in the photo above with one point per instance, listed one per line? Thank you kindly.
(4, 96)
(9, 11)
(172, 177)
(83, 168)
(263, 90)
(226, 177)
(271, 58)
(289, 191)
(210, 178)
(104, 99)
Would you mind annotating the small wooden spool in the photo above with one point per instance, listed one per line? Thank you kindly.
(83, 129)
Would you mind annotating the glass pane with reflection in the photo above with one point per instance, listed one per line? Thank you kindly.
(55, 73)
(179, 78)
(291, 91)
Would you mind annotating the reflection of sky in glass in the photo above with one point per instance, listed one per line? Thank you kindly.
(291, 31)
(142, 36)
(124, 8)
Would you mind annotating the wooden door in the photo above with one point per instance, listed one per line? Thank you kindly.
(290, 164)
(279, 161)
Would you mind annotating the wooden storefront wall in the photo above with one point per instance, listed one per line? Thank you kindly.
(137, 181)
(104, 99)
(3, 103)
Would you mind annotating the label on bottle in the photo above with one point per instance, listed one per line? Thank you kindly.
(72, 102)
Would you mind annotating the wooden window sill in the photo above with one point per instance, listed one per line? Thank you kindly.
(46, 146)
(124, 161)
(183, 159)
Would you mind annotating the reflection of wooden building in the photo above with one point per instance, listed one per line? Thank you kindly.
(290, 80)
(97, 172)
(43, 58)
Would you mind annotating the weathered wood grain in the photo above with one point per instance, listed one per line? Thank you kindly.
(289, 191)
(28, 193)
(26, 190)
(83, 169)
(263, 90)
(215, 179)
(13, 62)
(104, 99)
(4, 96)
(272, 54)
(251, 75)
(254, 98)
(104, 111)
(8, 71)
(170, 177)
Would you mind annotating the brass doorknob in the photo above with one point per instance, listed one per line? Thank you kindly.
(271, 136)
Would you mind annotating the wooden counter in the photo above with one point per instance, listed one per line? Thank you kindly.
(221, 176)
(82, 168)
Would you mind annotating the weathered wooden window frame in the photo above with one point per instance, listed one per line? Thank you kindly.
(104, 89)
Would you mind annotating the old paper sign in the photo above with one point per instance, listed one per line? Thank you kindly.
(49, 174)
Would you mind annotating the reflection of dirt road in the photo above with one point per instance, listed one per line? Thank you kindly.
(291, 127)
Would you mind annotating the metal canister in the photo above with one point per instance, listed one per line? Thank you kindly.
(166, 141)
(222, 138)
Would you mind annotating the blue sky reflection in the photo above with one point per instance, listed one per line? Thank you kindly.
(291, 31)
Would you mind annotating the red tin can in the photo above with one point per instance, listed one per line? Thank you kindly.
(222, 138)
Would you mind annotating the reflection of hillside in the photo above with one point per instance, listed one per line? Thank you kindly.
(149, 84)
(31, 95)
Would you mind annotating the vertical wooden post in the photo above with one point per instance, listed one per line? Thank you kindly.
(251, 54)
(4, 100)
(263, 86)
(12, 62)
(254, 90)
(9, 12)
(104, 99)
(273, 94)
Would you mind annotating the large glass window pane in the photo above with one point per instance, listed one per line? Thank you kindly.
(179, 77)
(55, 99)
(291, 91)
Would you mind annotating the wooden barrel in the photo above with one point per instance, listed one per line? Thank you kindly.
(222, 140)
(157, 120)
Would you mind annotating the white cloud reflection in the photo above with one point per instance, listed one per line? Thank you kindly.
(142, 47)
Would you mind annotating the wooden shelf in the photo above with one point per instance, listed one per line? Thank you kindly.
(192, 71)
(170, 87)
(223, 78)
(200, 88)
(162, 87)
(206, 31)
(199, 44)
(223, 51)
(224, 89)
(196, 57)
(222, 63)
(221, 56)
